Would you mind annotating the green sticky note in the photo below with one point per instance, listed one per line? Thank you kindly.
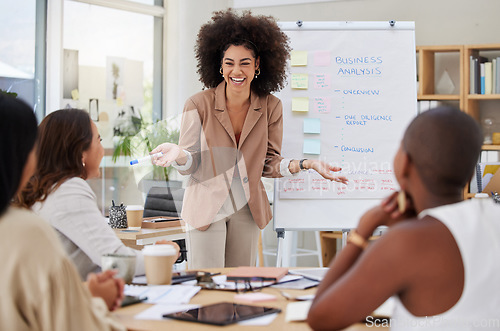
(300, 104)
(312, 125)
(300, 81)
(298, 58)
(312, 146)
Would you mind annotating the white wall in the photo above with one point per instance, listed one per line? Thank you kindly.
(438, 22)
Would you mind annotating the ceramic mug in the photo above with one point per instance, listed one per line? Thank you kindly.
(124, 263)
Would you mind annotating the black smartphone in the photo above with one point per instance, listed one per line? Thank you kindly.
(183, 276)
(130, 300)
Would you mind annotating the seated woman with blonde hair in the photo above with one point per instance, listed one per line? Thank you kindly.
(440, 256)
(40, 287)
(69, 152)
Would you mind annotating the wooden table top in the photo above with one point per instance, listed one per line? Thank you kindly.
(147, 233)
(126, 315)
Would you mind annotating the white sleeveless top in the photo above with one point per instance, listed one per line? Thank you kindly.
(475, 225)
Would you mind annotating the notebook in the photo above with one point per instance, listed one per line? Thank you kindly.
(257, 273)
(312, 273)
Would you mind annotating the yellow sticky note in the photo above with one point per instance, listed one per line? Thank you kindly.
(300, 104)
(75, 95)
(119, 101)
(298, 58)
(300, 81)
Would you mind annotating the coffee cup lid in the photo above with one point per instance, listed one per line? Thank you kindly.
(135, 207)
(159, 250)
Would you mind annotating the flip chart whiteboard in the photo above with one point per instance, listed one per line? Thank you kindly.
(351, 93)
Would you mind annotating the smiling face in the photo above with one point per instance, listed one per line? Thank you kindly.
(238, 67)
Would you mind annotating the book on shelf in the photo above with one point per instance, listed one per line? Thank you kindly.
(487, 77)
(482, 76)
(472, 76)
(475, 73)
(494, 76)
(497, 76)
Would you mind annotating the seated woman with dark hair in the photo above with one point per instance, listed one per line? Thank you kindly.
(440, 256)
(40, 287)
(69, 152)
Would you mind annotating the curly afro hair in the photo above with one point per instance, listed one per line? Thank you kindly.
(260, 34)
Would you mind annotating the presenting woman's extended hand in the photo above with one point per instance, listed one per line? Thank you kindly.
(325, 170)
(171, 152)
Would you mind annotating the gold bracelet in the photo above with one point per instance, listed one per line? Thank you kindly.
(356, 239)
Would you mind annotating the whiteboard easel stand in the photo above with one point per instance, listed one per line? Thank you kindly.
(284, 249)
(287, 212)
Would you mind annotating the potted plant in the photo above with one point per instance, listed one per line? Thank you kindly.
(136, 138)
(12, 94)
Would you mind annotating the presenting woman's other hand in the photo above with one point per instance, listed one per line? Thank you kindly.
(325, 170)
(171, 152)
(173, 244)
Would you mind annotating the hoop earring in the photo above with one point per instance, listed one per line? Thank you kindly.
(401, 199)
(257, 73)
(220, 70)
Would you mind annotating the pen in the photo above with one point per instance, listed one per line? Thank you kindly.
(145, 159)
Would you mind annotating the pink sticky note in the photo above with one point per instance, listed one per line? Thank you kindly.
(322, 81)
(322, 105)
(322, 58)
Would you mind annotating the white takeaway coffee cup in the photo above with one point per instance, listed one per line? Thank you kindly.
(158, 261)
(134, 216)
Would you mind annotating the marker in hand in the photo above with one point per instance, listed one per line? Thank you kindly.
(146, 159)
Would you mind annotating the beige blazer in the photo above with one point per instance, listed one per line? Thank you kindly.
(207, 133)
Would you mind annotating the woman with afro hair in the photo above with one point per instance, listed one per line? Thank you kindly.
(231, 136)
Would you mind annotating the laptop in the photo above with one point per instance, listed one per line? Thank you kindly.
(312, 273)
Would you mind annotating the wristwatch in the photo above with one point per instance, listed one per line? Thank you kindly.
(301, 164)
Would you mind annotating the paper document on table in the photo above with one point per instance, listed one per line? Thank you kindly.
(140, 280)
(297, 311)
(311, 273)
(259, 321)
(299, 284)
(164, 294)
(156, 312)
(385, 309)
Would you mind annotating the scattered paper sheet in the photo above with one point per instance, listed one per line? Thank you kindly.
(140, 280)
(385, 309)
(164, 294)
(156, 312)
(300, 284)
(259, 321)
(297, 311)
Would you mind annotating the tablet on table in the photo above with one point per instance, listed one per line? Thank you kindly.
(222, 313)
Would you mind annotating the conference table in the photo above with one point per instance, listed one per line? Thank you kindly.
(138, 238)
(126, 315)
